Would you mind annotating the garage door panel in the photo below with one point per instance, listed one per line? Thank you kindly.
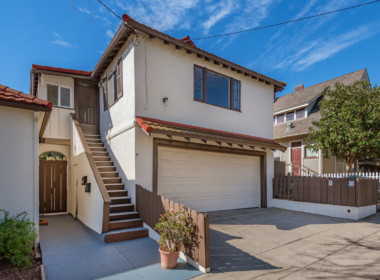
(208, 181)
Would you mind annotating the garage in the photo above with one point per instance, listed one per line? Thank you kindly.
(208, 181)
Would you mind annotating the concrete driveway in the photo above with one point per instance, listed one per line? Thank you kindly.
(276, 244)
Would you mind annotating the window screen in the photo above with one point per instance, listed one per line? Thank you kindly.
(65, 97)
(52, 94)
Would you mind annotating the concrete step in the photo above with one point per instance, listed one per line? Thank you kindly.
(115, 187)
(101, 158)
(123, 215)
(117, 193)
(99, 154)
(128, 223)
(125, 234)
(120, 200)
(109, 174)
(104, 163)
(122, 207)
(107, 169)
(115, 180)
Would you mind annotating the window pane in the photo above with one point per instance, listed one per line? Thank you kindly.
(300, 114)
(290, 116)
(65, 97)
(217, 90)
(52, 94)
(112, 89)
(311, 153)
(114, 86)
(198, 83)
(280, 118)
(236, 89)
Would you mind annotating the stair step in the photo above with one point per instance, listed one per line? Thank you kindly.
(109, 174)
(95, 145)
(127, 223)
(123, 215)
(92, 140)
(101, 158)
(117, 193)
(120, 200)
(99, 154)
(122, 207)
(115, 180)
(104, 163)
(91, 135)
(125, 234)
(115, 187)
(98, 149)
(107, 169)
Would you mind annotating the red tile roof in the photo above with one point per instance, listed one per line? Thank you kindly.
(61, 70)
(150, 125)
(18, 97)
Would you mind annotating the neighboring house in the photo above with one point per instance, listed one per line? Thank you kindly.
(162, 113)
(294, 113)
(23, 119)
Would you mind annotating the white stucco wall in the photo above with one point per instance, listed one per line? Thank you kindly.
(162, 71)
(18, 174)
(59, 123)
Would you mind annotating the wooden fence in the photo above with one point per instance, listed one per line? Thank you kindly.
(150, 207)
(354, 192)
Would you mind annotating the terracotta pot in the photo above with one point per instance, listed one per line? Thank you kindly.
(169, 259)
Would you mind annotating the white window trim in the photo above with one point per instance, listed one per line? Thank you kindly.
(59, 95)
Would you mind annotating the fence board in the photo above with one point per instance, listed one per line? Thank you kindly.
(343, 191)
(152, 206)
(337, 185)
(330, 191)
(351, 194)
(324, 191)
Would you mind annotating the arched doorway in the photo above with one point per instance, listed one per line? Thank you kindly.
(53, 183)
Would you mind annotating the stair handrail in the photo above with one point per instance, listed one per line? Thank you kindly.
(98, 177)
(303, 168)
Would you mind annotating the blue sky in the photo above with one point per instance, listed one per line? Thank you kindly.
(73, 34)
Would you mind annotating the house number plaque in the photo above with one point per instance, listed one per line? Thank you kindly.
(351, 183)
(330, 183)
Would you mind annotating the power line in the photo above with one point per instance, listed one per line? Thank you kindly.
(109, 9)
(286, 22)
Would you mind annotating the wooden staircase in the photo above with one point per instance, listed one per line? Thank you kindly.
(124, 221)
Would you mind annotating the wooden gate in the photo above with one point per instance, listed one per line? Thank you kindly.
(53, 187)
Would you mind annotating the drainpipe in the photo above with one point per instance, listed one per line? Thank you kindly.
(35, 141)
(320, 162)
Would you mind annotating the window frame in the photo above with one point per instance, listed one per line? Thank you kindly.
(113, 72)
(231, 97)
(305, 153)
(59, 96)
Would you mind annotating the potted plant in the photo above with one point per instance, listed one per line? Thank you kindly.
(176, 230)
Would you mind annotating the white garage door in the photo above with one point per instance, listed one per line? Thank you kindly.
(208, 181)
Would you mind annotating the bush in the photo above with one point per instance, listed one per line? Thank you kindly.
(176, 229)
(17, 234)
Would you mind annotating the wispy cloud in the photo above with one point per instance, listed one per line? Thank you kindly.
(60, 42)
(83, 10)
(109, 34)
(218, 12)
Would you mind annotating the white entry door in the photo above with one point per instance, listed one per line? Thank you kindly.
(208, 181)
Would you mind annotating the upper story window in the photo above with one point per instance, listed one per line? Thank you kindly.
(300, 113)
(216, 89)
(59, 96)
(112, 85)
(281, 118)
(290, 116)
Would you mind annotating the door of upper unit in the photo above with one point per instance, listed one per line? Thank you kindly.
(208, 181)
(87, 107)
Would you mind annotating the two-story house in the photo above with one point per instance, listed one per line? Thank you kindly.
(293, 114)
(162, 113)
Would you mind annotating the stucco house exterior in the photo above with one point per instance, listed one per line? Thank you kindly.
(161, 113)
(22, 119)
(293, 115)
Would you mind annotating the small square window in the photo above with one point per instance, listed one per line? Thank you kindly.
(281, 118)
(310, 153)
(65, 97)
(290, 116)
(52, 94)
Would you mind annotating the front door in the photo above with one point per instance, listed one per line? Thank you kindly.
(87, 106)
(296, 157)
(53, 187)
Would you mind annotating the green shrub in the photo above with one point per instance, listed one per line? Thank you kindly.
(17, 234)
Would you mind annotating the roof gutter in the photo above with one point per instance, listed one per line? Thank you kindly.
(291, 109)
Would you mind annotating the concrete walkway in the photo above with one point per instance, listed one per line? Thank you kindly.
(72, 251)
(280, 244)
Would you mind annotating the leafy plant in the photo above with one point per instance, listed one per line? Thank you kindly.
(17, 234)
(349, 127)
(176, 229)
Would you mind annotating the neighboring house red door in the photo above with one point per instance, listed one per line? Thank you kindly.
(296, 157)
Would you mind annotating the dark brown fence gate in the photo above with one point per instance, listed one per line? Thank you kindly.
(53, 186)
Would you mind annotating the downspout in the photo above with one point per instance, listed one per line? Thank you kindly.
(35, 141)
(320, 162)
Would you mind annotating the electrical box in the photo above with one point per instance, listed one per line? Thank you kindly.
(84, 180)
(87, 187)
